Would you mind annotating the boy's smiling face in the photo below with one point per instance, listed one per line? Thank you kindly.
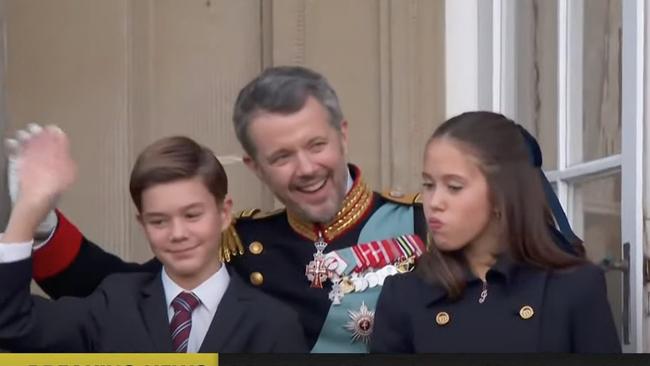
(183, 224)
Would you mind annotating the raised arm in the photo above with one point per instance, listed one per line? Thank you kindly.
(66, 264)
(30, 323)
(45, 169)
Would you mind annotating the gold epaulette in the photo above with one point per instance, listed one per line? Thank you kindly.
(256, 213)
(247, 214)
(230, 243)
(401, 197)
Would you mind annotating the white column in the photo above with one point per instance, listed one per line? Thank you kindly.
(461, 56)
(504, 57)
(480, 56)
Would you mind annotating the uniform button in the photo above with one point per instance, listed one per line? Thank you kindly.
(256, 278)
(256, 247)
(443, 318)
(526, 312)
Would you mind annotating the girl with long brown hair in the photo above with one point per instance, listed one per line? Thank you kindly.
(493, 279)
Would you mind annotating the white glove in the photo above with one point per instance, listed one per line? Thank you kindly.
(46, 228)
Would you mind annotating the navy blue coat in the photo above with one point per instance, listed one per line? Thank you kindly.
(570, 313)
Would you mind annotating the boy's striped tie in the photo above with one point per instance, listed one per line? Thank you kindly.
(181, 323)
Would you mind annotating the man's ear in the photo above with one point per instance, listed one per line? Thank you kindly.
(226, 213)
(252, 165)
(344, 136)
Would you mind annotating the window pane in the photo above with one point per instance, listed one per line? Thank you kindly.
(597, 219)
(601, 125)
(536, 74)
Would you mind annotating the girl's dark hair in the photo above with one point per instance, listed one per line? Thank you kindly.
(515, 190)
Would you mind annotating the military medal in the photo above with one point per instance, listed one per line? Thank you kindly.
(315, 270)
(405, 265)
(320, 268)
(360, 283)
(336, 294)
(378, 254)
(363, 266)
(385, 272)
(361, 323)
(372, 278)
(346, 285)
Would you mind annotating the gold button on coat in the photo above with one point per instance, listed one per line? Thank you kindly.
(526, 312)
(256, 278)
(256, 247)
(442, 318)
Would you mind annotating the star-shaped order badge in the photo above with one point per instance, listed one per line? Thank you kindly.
(361, 323)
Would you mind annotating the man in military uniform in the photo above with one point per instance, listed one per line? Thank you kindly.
(326, 254)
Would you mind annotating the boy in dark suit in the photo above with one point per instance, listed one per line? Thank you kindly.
(193, 304)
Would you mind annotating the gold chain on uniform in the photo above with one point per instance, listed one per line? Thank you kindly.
(355, 204)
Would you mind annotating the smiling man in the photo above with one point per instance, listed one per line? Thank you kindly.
(325, 254)
(302, 162)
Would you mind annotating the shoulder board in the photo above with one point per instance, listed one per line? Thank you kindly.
(402, 198)
(256, 213)
(248, 213)
(230, 243)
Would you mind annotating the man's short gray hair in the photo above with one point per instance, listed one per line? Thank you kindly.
(282, 90)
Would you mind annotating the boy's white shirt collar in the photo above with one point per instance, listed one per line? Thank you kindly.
(210, 292)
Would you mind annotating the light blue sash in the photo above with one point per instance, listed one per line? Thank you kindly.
(389, 221)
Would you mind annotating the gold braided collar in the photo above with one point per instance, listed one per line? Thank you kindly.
(355, 205)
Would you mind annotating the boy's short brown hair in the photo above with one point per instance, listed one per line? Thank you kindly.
(175, 158)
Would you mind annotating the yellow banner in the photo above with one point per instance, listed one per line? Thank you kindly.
(109, 359)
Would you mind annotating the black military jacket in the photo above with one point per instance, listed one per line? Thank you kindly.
(276, 248)
(524, 310)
